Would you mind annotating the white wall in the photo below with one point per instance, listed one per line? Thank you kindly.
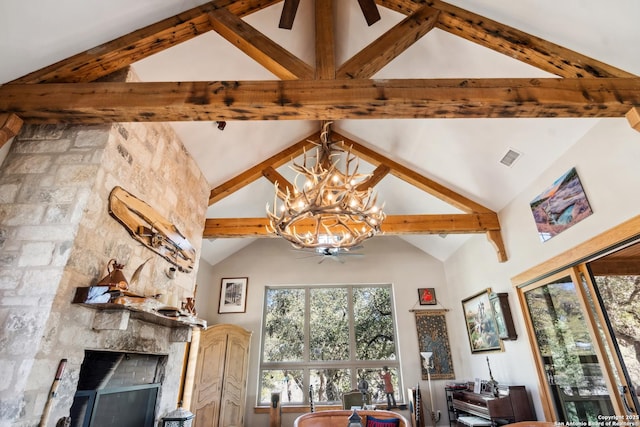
(274, 262)
(606, 160)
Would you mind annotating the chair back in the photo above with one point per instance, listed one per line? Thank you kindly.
(340, 418)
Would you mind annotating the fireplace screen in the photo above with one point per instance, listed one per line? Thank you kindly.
(117, 389)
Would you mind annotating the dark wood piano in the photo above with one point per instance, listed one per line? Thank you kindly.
(511, 405)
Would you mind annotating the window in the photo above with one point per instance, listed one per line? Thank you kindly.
(327, 340)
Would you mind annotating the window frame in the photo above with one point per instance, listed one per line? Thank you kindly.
(307, 365)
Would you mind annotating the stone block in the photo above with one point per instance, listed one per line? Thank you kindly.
(96, 137)
(7, 368)
(76, 174)
(9, 279)
(40, 281)
(8, 193)
(41, 132)
(36, 254)
(35, 147)
(21, 214)
(180, 335)
(29, 164)
(111, 320)
(45, 232)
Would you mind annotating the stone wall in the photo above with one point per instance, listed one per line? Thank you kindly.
(56, 234)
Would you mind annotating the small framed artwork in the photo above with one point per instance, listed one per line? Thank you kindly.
(481, 323)
(427, 296)
(560, 206)
(233, 295)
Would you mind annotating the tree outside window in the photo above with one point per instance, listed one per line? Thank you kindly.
(327, 340)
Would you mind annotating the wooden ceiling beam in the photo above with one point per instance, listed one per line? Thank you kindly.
(410, 176)
(319, 99)
(325, 40)
(123, 51)
(259, 47)
(284, 186)
(495, 238)
(218, 228)
(389, 45)
(10, 125)
(512, 42)
(633, 117)
(251, 174)
(376, 176)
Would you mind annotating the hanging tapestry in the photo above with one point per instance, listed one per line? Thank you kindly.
(432, 337)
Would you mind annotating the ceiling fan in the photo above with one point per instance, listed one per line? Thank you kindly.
(334, 254)
(368, 7)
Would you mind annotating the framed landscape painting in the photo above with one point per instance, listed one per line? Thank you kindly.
(560, 206)
(481, 323)
(233, 295)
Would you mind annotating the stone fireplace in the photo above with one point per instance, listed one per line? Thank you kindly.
(56, 235)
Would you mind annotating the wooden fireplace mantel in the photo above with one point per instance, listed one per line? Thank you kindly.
(106, 298)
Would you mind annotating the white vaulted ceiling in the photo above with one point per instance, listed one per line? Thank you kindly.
(461, 154)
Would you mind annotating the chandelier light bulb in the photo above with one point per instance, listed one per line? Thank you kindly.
(330, 211)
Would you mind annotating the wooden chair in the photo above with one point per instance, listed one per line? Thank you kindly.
(339, 418)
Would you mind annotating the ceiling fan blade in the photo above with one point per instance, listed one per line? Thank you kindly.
(370, 11)
(288, 14)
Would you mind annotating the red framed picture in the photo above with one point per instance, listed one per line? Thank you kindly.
(427, 296)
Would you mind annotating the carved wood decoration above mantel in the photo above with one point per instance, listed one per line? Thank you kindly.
(151, 229)
(66, 92)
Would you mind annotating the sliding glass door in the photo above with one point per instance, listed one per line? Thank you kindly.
(577, 359)
(616, 280)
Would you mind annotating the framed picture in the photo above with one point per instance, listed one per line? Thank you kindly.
(481, 323)
(233, 295)
(427, 296)
(560, 206)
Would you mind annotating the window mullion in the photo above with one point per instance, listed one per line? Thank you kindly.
(352, 337)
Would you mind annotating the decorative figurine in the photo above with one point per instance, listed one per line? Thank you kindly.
(388, 387)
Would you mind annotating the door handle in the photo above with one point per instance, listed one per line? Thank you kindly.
(623, 394)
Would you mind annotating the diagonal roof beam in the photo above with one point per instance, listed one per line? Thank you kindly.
(404, 173)
(259, 47)
(251, 174)
(320, 99)
(512, 42)
(123, 51)
(284, 186)
(388, 46)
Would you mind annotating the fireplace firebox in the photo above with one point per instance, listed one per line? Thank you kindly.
(118, 389)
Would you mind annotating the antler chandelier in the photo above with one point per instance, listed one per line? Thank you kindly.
(333, 208)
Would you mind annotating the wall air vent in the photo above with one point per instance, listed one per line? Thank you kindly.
(510, 158)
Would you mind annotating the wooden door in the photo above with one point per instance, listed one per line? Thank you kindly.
(209, 375)
(235, 382)
(219, 389)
